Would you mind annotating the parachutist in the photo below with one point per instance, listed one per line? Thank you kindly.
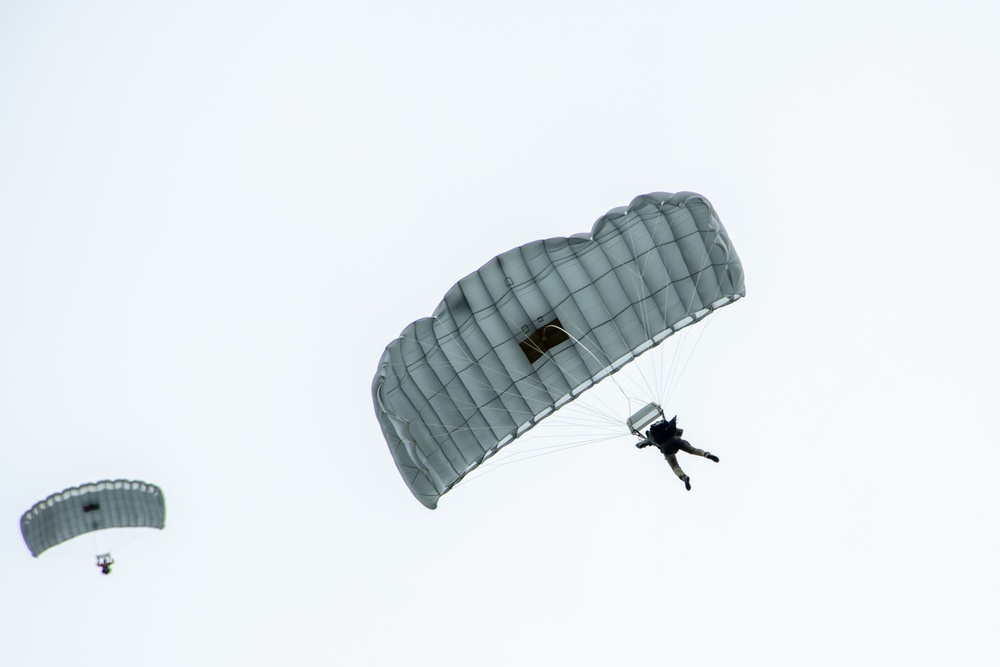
(105, 561)
(665, 436)
(78, 510)
(535, 326)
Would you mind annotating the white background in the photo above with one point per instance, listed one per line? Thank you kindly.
(214, 216)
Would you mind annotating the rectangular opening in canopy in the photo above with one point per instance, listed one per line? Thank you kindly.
(543, 339)
(91, 507)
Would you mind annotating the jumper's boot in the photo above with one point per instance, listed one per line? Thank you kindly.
(711, 457)
(687, 482)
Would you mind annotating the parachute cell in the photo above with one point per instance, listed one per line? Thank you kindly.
(84, 509)
(536, 326)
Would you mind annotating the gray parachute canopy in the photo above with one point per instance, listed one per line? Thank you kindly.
(538, 325)
(82, 509)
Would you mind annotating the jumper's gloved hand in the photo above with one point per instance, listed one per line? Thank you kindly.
(711, 457)
(642, 443)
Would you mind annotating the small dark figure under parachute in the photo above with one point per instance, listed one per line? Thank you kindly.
(105, 561)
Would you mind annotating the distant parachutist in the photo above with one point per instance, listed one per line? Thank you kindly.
(105, 561)
(665, 436)
(97, 506)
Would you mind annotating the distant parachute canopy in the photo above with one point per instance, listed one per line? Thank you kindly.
(538, 325)
(83, 509)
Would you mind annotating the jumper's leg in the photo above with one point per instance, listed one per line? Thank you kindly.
(686, 446)
(676, 467)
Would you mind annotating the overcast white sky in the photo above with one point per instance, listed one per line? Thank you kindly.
(215, 215)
